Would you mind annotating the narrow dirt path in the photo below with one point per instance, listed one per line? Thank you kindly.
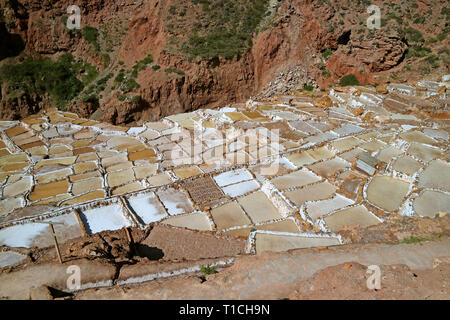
(286, 275)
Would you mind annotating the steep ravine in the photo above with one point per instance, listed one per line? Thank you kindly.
(296, 38)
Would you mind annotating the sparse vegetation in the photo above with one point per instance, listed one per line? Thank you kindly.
(106, 60)
(63, 79)
(328, 52)
(326, 73)
(206, 270)
(413, 239)
(444, 34)
(231, 37)
(417, 51)
(93, 99)
(433, 60)
(90, 34)
(129, 85)
(142, 64)
(349, 80)
(413, 35)
(173, 70)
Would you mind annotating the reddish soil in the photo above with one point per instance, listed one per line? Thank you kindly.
(298, 35)
(348, 281)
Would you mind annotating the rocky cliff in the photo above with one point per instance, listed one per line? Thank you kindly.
(295, 43)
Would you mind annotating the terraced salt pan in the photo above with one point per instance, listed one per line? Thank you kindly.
(275, 167)
(195, 221)
(437, 134)
(9, 205)
(287, 225)
(436, 175)
(386, 192)
(175, 201)
(10, 258)
(358, 215)
(231, 177)
(259, 207)
(423, 152)
(324, 207)
(229, 215)
(38, 234)
(321, 137)
(319, 191)
(387, 154)
(135, 130)
(329, 167)
(430, 203)
(295, 179)
(278, 242)
(406, 165)
(347, 129)
(22, 235)
(240, 188)
(108, 217)
(147, 207)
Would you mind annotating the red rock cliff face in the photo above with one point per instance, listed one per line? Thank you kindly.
(205, 83)
(296, 37)
(208, 83)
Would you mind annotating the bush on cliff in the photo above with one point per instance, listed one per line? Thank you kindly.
(349, 80)
(59, 79)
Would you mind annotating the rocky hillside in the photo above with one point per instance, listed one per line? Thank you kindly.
(135, 61)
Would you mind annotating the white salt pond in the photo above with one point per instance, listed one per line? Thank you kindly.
(175, 201)
(22, 235)
(231, 177)
(104, 218)
(9, 258)
(324, 207)
(38, 234)
(241, 188)
(147, 207)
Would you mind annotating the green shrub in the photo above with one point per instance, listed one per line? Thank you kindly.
(420, 20)
(173, 70)
(106, 60)
(349, 80)
(413, 35)
(326, 73)
(446, 12)
(238, 21)
(328, 52)
(444, 34)
(120, 76)
(308, 87)
(92, 99)
(43, 76)
(417, 51)
(433, 60)
(414, 240)
(156, 67)
(444, 51)
(393, 16)
(141, 65)
(129, 85)
(90, 34)
(206, 270)
(173, 10)
(135, 99)
(105, 79)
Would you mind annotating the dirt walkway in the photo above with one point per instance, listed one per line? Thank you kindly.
(412, 271)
